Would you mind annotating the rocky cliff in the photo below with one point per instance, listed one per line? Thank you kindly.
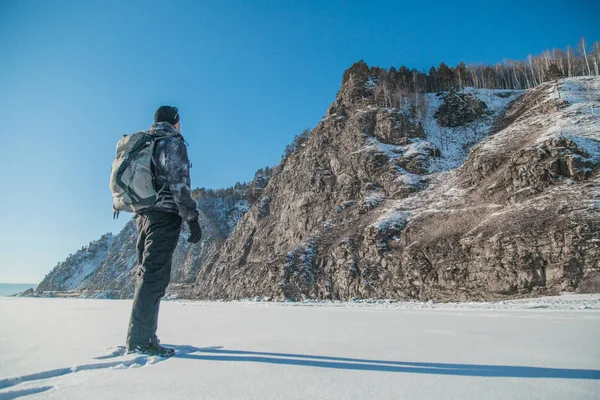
(470, 194)
(478, 194)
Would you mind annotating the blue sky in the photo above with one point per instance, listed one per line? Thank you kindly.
(246, 75)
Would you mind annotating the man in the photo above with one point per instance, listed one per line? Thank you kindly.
(158, 231)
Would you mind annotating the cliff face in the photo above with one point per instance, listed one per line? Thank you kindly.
(372, 205)
(464, 195)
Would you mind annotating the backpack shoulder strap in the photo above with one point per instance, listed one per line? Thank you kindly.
(153, 162)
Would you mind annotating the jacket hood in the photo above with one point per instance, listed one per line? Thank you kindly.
(163, 128)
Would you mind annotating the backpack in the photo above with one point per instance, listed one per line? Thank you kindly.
(131, 179)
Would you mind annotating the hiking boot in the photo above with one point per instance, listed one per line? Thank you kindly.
(154, 349)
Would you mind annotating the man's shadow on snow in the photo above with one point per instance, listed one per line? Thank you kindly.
(304, 360)
(24, 392)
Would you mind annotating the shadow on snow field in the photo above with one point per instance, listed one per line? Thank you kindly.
(25, 392)
(302, 360)
(499, 371)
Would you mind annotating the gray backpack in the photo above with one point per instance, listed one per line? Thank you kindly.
(131, 180)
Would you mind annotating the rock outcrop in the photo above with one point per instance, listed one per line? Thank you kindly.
(458, 109)
(370, 207)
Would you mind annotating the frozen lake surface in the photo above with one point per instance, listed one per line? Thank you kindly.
(527, 349)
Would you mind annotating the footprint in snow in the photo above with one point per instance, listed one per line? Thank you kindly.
(116, 351)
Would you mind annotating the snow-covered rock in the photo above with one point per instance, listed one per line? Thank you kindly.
(497, 204)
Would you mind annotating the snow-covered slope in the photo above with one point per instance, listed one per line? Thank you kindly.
(267, 351)
(105, 268)
(71, 273)
(455, 142)
(441, 148)
(471, 194)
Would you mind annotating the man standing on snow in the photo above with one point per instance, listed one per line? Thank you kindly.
(158, 229)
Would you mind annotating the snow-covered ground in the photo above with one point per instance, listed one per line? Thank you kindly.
(526, 349)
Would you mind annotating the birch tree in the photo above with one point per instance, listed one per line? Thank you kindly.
(583, 49)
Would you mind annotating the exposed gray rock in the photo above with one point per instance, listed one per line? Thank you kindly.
(394, 127)
(458, 109)
(349, 217)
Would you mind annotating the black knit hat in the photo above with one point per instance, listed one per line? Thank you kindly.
(167, 114)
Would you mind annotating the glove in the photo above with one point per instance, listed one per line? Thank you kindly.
(195, 231)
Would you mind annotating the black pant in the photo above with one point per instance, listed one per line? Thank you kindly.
(158, 233)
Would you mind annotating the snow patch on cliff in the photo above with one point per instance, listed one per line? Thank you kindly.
(454, 143)
(580, 120)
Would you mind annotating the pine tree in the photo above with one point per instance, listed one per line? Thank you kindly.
(433, 84)
(444, 77)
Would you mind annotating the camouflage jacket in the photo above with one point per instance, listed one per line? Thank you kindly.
(171, 171)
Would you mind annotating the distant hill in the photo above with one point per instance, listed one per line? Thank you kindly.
(8, 289)
(106, 267)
